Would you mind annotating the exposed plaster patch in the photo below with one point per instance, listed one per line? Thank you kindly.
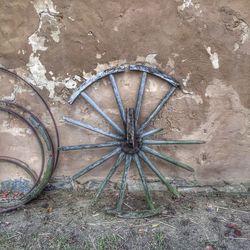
(197, 6)
(191, 95)
(213, 58)
(185, 4)
(171, 63)
(78, 78)
(46, 12)
(101, 67)
(87, 75)
(45, 6)
(70, 84)
(15, 131)
(38, 72)
(98, 56)
(185, 80)
(188, 4)
(244, 28)
(236, 47)
(71, 18)
(55, 35)
(218, 115)
(170, 66)
(245, 31)
(10, 97)
(37, 42)
(234, 22)
(17, 90)
(21, 51)
(152, 86)
(150, 58)
(46, 9)
(225, 127)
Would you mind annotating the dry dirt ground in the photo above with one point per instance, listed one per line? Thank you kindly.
(65, 220)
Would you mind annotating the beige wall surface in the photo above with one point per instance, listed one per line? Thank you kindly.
(57, 44)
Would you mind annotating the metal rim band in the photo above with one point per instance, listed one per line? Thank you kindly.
(47, 168)
(122, 68)
(56, 152)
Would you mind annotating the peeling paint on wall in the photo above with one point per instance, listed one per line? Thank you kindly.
(217, 93)
(185, 80)
(185, 4)
(46, 11)
(213, 58)
(244, 28)
(17, 90)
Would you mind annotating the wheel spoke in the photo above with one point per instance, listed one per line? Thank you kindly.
(101, 112)
(96, 163)
(94, 79)
(151, 132)
(90, 127)
(110, 174)
(171, 188)
(117, 97)
(163, 142)
(90, 146)
(157, 109)
(123, 183)
(144, 182)
(140, 95)
(167, 158)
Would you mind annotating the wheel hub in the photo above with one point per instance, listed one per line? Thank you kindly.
(132, 142)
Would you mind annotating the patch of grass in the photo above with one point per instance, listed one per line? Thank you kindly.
(66, 243)
(158, 241)
(8, 241)
(62, 243)
(108, 242)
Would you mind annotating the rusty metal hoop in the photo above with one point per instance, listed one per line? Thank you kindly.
(47, 154)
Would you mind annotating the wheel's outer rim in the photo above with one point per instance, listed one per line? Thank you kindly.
(55, 144)
(48, 158)
(123, 68)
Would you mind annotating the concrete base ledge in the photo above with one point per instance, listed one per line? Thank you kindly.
(183, 186)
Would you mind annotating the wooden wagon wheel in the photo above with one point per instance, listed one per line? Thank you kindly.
(132, 142)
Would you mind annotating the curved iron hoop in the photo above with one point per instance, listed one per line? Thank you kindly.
(119, 69)
(22, 165)
(45, 144)
(55, 147)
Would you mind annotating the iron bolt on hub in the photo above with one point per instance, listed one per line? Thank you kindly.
(132, 143)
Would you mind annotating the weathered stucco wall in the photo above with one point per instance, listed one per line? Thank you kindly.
(205, 44)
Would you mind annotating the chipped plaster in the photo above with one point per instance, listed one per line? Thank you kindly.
(213, 58)
(45, 10)
(185, 4)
